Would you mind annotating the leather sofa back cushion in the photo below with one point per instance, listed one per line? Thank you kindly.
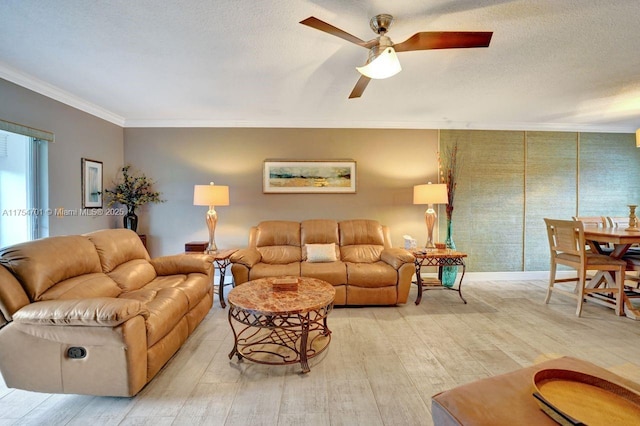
(279, 255)
(83, 287)
(278, 233)
(364, 253)
(41, 264)
(319, 231)
(361, 231)
(117, 246)
(133, 275)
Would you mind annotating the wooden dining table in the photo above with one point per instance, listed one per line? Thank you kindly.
(622, 240)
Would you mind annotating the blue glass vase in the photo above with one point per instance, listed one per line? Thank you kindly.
(449, 273)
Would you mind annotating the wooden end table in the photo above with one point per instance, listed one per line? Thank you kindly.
(280, 327)
(438, 258)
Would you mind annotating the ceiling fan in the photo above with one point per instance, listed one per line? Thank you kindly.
(382, 61)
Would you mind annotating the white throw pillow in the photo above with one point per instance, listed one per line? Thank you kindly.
(321, 253)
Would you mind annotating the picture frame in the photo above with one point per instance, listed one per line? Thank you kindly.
(309, 177)
(91, 184)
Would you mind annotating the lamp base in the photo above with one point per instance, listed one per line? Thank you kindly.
(212, 221)
(430, 219)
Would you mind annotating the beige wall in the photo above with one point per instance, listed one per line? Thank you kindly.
(389, 163)
(77, 135)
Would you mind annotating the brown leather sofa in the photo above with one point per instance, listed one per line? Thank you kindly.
(93, 314)
(365, 270)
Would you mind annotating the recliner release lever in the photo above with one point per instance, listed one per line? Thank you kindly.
(76, 352)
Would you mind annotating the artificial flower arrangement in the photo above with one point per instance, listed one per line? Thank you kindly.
(132, 191)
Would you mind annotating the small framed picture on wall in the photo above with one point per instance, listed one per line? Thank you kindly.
(91, 184)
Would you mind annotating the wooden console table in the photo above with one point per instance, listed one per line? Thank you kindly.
(437, 258)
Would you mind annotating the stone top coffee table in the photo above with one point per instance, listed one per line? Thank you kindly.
(280, 327)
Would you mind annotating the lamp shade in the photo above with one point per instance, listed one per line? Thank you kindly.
(210, 195)
(384, 65)
(430, 193)
(638, 138)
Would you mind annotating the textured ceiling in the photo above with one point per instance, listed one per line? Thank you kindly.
(551, 65)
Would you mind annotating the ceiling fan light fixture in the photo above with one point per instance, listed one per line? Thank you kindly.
(384, 65)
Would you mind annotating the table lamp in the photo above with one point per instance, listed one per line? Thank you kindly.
(211, 195)
(430, 194)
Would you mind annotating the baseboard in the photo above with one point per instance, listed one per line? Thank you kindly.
(511, 276)
(514, 275)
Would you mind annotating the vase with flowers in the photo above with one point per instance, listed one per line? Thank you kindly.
(132, 191)
(448, 164)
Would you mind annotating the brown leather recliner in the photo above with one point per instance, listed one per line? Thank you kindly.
(365, 270)
(93, 314)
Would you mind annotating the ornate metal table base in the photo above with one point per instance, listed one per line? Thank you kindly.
(438, 258)
(279, 339)
(280, 327)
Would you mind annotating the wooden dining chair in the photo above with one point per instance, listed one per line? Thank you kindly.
(617, 222)
(632, 256)
(568, 247)
(597, 221)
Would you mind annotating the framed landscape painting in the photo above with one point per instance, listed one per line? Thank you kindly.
(91, 184)
(311, 177)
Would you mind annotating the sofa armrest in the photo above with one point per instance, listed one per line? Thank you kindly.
(396, 257)
(183, 264)
(247, 257)
(97, 312)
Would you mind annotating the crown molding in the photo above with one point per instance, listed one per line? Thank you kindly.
(29, 82)
(377, 124)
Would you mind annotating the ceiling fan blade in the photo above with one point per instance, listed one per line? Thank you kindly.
(444, 40)
(330, 29)
(359, 87)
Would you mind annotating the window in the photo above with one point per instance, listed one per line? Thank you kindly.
(23, 184)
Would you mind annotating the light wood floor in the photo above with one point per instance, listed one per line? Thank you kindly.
(382, 367)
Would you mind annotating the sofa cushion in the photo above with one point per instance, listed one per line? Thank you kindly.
(378, 274)
(133, 274)
(361, 231)
(319, 231)
(361, 253)
(317, 253)
(334, 273)
(85, 286)
(278, 233)
(167, 307)
(279, 255)
(117, 246)
(263, 270)
(41, 264)
(194, 286)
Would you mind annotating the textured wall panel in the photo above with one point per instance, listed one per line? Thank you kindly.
(609, 174)
(551, 171)
(489, 203)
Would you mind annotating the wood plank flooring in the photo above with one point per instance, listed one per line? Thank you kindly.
(382, 367)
